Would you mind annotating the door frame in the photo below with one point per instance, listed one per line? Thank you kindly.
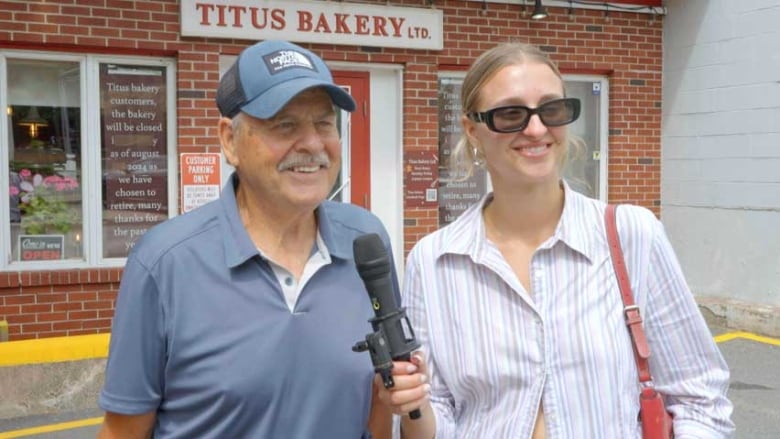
(356, 146)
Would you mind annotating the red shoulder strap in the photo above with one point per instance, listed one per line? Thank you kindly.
(630, 310)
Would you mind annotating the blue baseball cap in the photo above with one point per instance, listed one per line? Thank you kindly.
(267, 75)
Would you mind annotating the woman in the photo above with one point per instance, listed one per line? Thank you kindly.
(516, 303)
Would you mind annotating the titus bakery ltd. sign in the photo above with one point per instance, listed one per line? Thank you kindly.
(314, 22)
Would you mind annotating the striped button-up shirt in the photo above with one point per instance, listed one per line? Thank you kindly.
(495, 351)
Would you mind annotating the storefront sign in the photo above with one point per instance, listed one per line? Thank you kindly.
(420, 179)
(200, 179)
(41, 247)
(345, 23)
(134, 152)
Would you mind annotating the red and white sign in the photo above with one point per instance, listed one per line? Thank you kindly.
(200, 179)
(345, 23)
(41, 247)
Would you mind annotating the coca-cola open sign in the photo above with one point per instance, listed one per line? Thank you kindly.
(314, 22)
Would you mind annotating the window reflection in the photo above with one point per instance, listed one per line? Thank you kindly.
(43, 119)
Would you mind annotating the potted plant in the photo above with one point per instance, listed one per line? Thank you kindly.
(45, 202)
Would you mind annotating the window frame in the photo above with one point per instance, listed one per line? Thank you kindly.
(91, 150)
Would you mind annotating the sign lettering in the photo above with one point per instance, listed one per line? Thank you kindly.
(354, 24)
(200, 179)
(41, 247)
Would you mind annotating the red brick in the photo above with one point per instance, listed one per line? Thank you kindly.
(68, 325)
(36, 308)
(53, 317)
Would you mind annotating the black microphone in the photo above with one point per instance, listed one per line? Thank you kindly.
(393, 338)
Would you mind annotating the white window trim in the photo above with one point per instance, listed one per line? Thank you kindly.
(91, 171)
(603, 126)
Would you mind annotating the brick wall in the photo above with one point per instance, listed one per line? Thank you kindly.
(58, 303)
(625, 46)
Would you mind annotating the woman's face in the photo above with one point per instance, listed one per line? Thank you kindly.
(532, 155)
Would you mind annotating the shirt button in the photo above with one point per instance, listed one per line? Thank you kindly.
(288, 281)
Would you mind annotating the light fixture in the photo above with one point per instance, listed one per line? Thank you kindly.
(539, 11)
(34, 121)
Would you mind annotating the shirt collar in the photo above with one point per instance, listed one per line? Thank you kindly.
(340, 248)
(469, 227)
(573, 228)
(239, 247)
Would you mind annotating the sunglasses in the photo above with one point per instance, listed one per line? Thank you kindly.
(513, 118)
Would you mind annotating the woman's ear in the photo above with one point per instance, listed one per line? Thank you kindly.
(227, 138)
(469, 128)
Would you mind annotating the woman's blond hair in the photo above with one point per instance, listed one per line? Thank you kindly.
(464, 158)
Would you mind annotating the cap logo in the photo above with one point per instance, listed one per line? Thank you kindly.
(282, 60)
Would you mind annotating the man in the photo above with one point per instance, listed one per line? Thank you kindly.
(237, 320)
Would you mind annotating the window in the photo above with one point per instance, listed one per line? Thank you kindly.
(86, 150)
(588, 169)
(456, 194)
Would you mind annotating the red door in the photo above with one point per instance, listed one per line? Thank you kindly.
(357, 83)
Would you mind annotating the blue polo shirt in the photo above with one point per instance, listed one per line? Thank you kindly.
(203, 336)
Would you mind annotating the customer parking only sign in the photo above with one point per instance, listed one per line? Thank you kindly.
(200, 179)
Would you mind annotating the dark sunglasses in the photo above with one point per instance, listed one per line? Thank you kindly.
(513, 118)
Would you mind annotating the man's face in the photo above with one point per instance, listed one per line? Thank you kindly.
(291, 160)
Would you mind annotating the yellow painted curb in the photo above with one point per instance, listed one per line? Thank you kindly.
(54, 349)
(50, 428)
(747, 336)
(81, 347)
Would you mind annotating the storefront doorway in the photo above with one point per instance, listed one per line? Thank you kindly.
(354, 183)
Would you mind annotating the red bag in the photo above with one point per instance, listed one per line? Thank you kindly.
(656, 420)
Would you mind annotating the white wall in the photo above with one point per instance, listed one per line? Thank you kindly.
(387, 156)
(720, 179)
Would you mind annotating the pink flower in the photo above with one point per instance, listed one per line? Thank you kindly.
(51, 180)
(36, 185)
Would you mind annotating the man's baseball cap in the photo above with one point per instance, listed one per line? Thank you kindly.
(267, 75)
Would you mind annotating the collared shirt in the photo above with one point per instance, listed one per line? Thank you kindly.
(495, 352)
(204, 337)
(291, 287)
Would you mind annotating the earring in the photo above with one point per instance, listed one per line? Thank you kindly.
(479, 159)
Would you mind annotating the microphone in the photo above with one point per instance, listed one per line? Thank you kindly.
(393, 338)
